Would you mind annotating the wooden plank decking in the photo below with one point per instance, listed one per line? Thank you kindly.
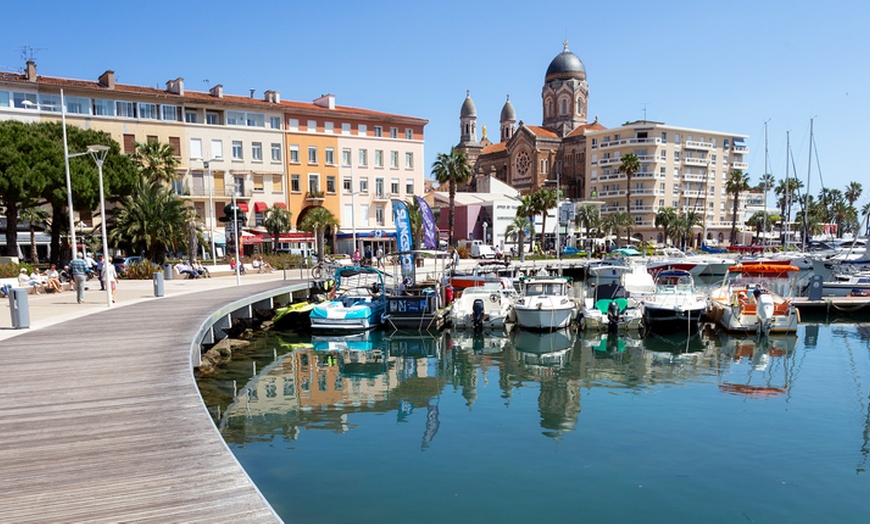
(102, 421)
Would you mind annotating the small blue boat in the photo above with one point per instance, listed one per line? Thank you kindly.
(359, 302)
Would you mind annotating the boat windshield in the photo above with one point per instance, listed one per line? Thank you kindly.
(537, 289)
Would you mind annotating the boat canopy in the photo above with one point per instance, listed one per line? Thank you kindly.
(763, 269)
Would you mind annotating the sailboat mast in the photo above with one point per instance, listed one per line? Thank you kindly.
(764, 179)
(787, 195)
(807, 192)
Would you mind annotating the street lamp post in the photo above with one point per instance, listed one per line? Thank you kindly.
(210, 215)
(237, 234)
(98, 153)
(66, 157)
(485, 225)
(558, 212)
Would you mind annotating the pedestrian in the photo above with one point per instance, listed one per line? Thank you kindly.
(381, 256)
(79, 271)
(368, 255)
(109, 278)
(100, 264)
(356, 257)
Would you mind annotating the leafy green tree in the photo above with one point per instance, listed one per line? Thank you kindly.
(157, 162)
(278, 220)
(630, 165)
(737, 183)
(119, 176)
(529, 208)
(853, 192)
(317, 220)
(25, 165)
(152, 220)
(452, 169)
(617, 221)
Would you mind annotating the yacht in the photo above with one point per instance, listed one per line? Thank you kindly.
(545, 303)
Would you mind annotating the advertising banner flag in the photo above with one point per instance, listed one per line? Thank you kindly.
(430, 236)
(404, 239)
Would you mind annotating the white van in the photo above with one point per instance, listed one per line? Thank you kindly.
(481, 250)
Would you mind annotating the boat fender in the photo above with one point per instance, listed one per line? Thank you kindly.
(493, 298)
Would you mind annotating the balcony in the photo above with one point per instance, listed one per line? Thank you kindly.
(739, 165)
(740, 149)
(704, 146)
(630, 141)
(701, 162)
(694, 178)
(242, 193)
(380, 196)
(315, 197)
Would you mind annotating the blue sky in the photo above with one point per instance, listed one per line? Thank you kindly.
(724, 66)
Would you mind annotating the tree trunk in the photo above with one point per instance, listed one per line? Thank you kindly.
(11, 230)
(450, 214)
(34, 253)
(57, 219)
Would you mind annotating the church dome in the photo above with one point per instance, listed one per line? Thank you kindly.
(565, 65)
(507, 111)
(468, 109)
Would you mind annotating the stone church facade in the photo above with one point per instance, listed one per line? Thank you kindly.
(528, 157)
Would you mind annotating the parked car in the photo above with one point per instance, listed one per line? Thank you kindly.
(121, 264)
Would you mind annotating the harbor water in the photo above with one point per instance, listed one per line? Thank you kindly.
(456, 427)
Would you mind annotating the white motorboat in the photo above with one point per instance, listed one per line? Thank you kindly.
(483, 307)
(609, 304)
(753, 299)
(545, 303)
(847, 284)
(676, 305)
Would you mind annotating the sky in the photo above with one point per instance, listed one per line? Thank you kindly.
(721, 66)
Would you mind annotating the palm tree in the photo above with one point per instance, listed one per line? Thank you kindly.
(157, 161)
(152, 220)
(737, 183)
(617, 221)
(853, 192)
(529, 208)
(517, 229)
(317, 220)
(546, 199)
(630, 165)
(665, 218)
(415, 218)
(277, 221)
(588, 216)
(451, 169)
(33, 216)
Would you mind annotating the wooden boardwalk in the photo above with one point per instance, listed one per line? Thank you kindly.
(102, 421)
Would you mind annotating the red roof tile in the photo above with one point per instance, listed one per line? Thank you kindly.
(541, 131)
(594, 126)
(494, 148)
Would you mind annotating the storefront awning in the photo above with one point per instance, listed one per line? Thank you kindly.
(243, 206)
(281, 204)
(373, 233)
(259, 207)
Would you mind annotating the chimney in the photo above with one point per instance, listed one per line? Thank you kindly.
(176, 86)
(107, 79)
(273, 97)
(327, 101)
(30, 72)
(217, 91)
(252, 93)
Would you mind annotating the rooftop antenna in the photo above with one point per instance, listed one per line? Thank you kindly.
(252, 92)
(207, 83)
(28, 53)
(644, 111)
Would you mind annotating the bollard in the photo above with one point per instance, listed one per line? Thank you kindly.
(19, 308)
(158, 284)
(167, 271)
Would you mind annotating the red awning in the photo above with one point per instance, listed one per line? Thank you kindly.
(281, 204)
(243, 206)
(298, 236)
(249, 239)
(259, 207)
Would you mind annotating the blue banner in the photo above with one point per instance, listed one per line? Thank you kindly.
(430, 236)
(404, 239)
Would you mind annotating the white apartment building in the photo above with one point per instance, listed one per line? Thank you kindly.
(682, 168)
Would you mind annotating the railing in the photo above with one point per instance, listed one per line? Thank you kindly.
(315, 195)
(695, 161)
(740, 165)
(630, 141)
(694, 144)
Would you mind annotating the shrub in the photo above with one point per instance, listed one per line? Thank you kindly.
(141, 270)
(463, 252)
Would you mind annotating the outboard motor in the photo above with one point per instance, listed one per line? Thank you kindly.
(765, 312)
(613, 316)
(477, 314)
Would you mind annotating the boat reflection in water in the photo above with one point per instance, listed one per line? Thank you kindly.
(756, 367)
(479, 342)
(545, 358)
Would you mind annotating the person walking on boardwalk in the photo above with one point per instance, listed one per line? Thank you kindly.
(109, 278)
(79, 270)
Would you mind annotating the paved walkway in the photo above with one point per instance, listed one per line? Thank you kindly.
(102, 420)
